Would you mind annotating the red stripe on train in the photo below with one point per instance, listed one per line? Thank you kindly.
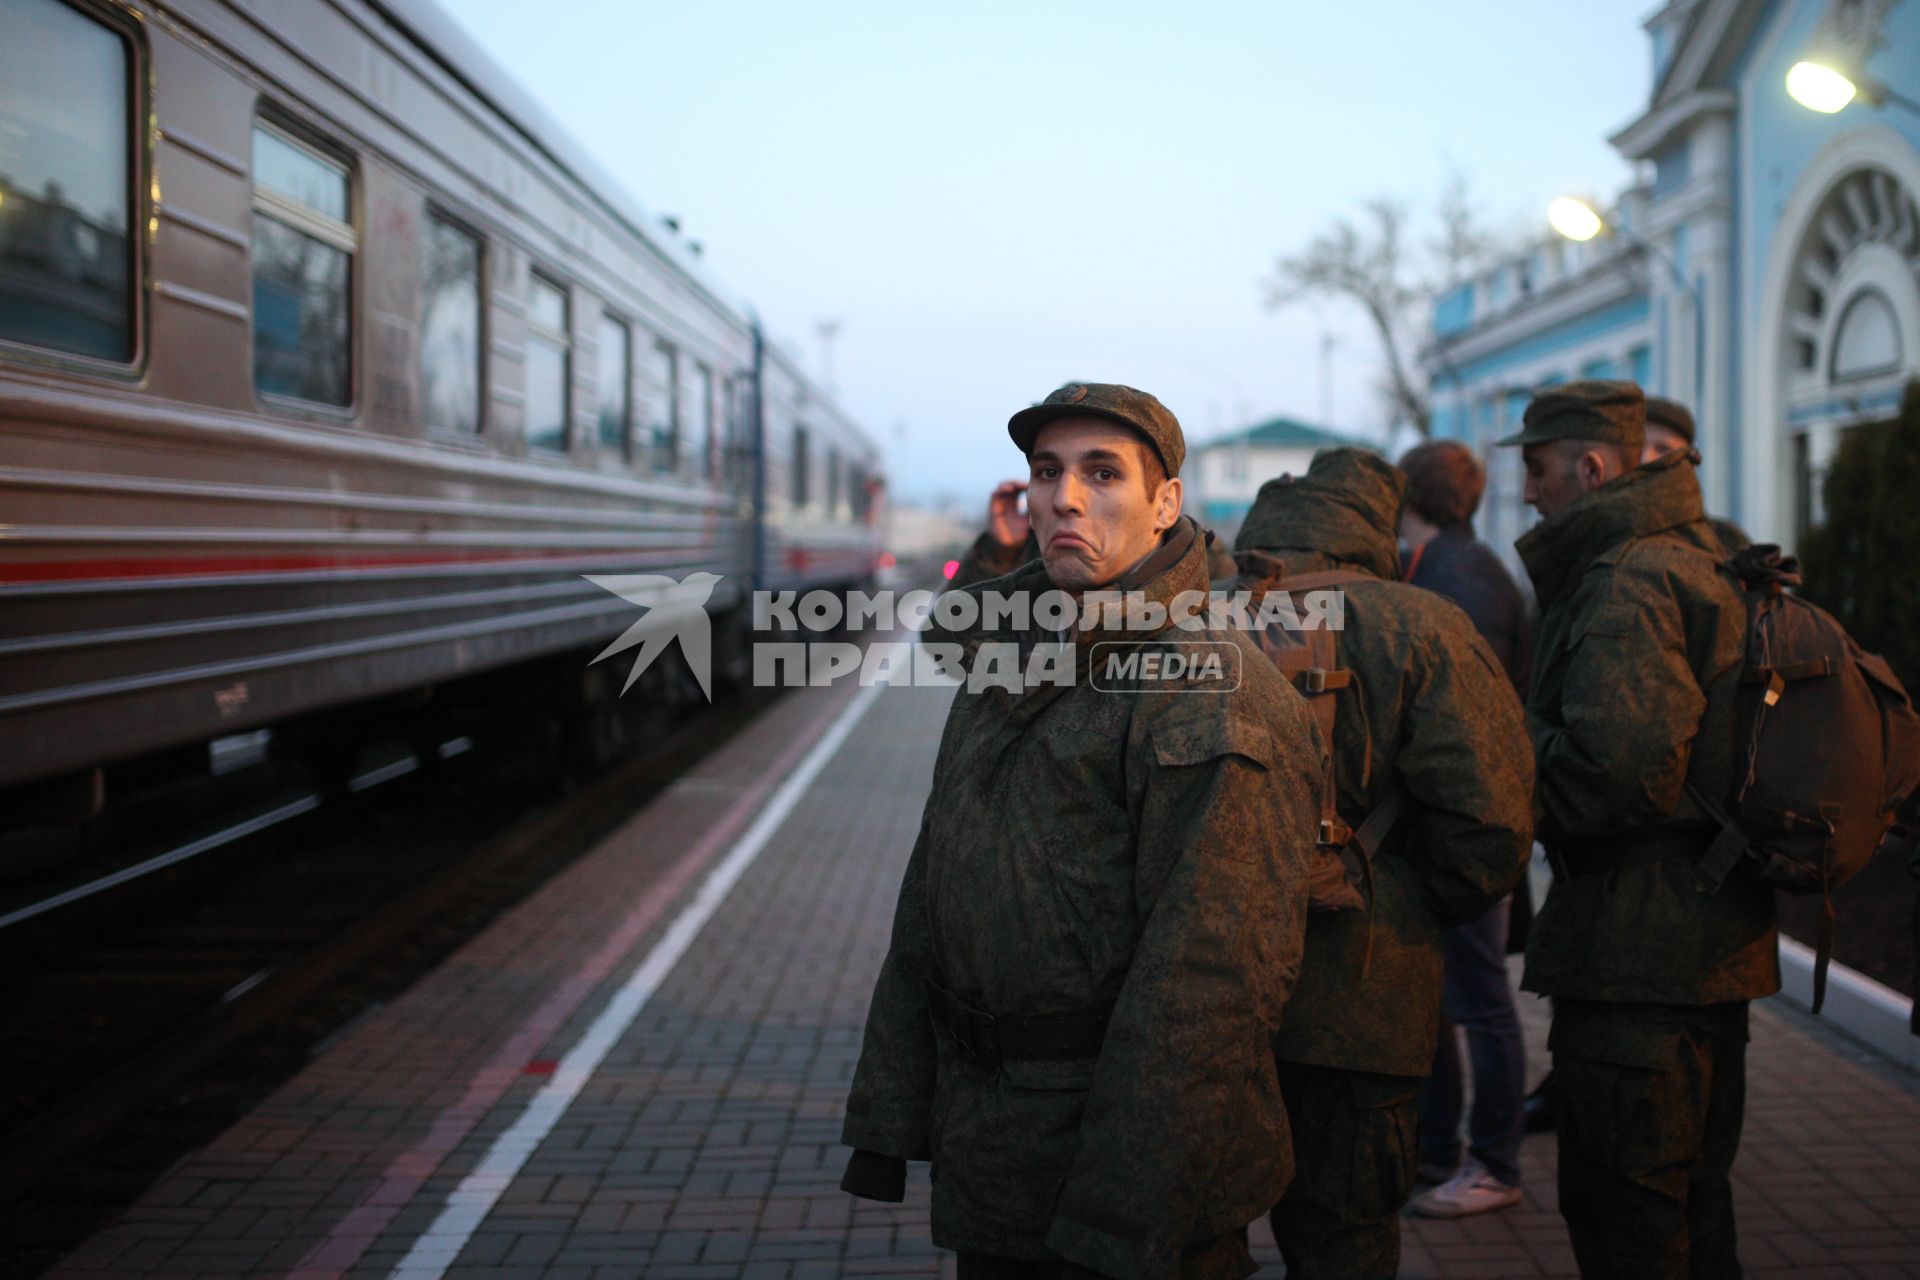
(207, 566)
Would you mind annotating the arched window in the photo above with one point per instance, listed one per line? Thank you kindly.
(1867, 340)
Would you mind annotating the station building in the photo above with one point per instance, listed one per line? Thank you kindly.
(1223, 474)
(1765, 270)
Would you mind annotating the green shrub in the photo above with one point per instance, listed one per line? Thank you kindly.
(1863, 564)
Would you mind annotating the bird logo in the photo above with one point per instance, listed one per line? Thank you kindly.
(675, 609)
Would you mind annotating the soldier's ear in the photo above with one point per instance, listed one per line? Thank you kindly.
(1591, 467)
(1167, 505)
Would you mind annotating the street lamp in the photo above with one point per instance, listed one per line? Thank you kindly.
(1822, 87)
(1574, 219)
(1578, 220)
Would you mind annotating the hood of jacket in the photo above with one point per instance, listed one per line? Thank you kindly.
(1344, 513)
(1652, 498)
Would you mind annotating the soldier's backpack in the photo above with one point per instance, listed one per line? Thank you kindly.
(1341, 871)
(1827, 748)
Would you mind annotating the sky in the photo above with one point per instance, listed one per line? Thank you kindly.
(996, 198)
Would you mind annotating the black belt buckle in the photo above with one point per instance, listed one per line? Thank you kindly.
(979, 1036)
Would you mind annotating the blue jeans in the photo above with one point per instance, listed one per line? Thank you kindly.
(1477, 998)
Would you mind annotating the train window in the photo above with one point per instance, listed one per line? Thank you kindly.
(548, 338)
(450, 329)
(703, 413)
(303, 245)
(730, 411)
(833, 481)
(66, 191)
(801, 464)
(663, 406)
(616, 395)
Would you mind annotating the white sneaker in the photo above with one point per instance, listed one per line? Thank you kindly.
(1470, 1191)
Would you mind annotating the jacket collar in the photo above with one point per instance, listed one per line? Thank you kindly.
(1652, 498)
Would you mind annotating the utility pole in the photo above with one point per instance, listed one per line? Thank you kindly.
(1327, 344)
(828, 331)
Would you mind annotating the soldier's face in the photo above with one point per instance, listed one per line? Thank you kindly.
(1661, 441)
(1088, 499)
(1560, 472)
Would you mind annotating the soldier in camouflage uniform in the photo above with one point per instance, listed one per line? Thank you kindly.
(1005, 544)
(1433, 716)
(1640, 650)
(1102, 916)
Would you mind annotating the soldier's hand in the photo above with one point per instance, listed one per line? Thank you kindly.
(1006, 522)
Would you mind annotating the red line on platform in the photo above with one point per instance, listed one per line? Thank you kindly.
(357, 1231)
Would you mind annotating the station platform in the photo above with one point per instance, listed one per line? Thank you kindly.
(639, 1071)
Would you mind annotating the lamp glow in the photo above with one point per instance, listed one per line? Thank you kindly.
(1819, 88)
(1574, 219)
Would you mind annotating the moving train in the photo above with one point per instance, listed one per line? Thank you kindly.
(328, 369)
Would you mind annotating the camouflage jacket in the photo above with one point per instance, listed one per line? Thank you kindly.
(987, 558)
(1640, 648)
(1446, 726)
(1138, 851)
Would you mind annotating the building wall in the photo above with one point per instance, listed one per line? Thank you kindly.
(1221, 488)
(1796, 167)
(1750, 201)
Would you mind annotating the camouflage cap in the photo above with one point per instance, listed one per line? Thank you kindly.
(1124, 405)
(1607, 412)
(1671, 414)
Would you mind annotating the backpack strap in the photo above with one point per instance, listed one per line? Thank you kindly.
(1729, 842)
(1778, 677)
(1323, 578)
(1316, 673)
(1725, 853)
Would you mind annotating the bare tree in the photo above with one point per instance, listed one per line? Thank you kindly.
(1367, 261)
(1462, 244)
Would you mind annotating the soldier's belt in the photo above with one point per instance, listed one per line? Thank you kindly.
(990, 1038)
(1571, 859)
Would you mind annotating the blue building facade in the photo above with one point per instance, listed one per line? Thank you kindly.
(1777, 290)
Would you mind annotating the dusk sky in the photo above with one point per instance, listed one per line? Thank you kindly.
(993, 199)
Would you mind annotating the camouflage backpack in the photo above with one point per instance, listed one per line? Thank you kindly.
(1309, 657)
(1827, 748)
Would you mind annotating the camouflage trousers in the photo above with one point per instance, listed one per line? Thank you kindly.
(1648, 1104)
(1354, 1137)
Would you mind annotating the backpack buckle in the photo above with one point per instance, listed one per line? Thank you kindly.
(1315, 680)
(1334, 832)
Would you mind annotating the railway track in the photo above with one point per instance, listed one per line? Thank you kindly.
(154, 1002)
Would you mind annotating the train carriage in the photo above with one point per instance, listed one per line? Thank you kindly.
(328, 368)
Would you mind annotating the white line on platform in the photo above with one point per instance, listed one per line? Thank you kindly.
(470, 1202)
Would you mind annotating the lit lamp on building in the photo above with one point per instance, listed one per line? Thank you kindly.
(1574, 219)
(1579, 221)
(1819, 85)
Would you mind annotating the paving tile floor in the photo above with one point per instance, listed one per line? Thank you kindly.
(704, 1141)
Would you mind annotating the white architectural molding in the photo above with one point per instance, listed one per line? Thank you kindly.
(1614, 279)
(1639, 140)
(1768, 468)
